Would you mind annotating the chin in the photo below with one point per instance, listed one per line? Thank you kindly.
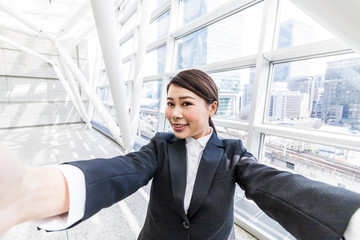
(181, 135)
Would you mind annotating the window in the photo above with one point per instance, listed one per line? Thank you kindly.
(128, 25)
(297, 28)
(191, 10)
(232, 133)
(303, 94)
(150, 95)
(155, 3)
(147, 125)
(223, 40)
(127, 47)
(155, 63)
(235, 93)
(159, 28)
(334, 165)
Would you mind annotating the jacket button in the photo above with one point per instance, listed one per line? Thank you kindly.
(186, 225)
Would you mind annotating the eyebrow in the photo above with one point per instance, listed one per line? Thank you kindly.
(181, 98)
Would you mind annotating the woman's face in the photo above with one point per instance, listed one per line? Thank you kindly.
(188, 113)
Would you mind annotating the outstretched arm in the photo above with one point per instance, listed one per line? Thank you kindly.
(29, 193)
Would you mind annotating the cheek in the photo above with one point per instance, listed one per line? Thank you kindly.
(196, 116)
(167, 113)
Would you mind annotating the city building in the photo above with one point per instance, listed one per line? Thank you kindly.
(341, 98)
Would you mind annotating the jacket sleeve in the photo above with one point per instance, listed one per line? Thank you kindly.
(111, 180)
(307, 209)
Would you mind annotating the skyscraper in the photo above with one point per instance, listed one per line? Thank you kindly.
(341, 100)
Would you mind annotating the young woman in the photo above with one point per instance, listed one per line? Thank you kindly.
(193, 176)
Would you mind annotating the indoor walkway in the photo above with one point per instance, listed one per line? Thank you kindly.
(37, 146)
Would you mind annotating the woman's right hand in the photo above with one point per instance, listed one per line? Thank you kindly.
(29, 193)
(12, 187)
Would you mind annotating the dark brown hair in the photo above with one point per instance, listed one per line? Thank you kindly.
(199, 83)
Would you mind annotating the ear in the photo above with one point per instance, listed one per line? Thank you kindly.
(213, 108)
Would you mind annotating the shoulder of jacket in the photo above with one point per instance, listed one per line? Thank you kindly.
(231, 142)
(163, 136)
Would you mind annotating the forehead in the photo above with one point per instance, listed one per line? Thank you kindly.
(177, 92)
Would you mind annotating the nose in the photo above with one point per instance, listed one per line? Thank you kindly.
(176, 113)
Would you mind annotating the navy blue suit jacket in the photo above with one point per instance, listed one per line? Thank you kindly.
(307, 209)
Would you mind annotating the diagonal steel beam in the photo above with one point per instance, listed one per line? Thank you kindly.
(104, 114)
(105, 21)
(82, 11)
(20, 17)
(75, 92)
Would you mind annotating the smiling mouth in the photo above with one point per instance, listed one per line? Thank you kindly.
(179, 127)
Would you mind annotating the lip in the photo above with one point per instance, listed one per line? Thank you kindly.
(178, 126)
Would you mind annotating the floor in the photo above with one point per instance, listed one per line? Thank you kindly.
(46, 145)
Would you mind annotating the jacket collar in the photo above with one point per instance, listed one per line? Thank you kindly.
(207, 168)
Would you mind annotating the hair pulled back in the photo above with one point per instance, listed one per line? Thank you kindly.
(199, 83)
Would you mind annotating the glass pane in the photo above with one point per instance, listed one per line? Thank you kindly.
(155, 61)
(333, 165)
(126, 71)
(297, 28)
(231, 133)
(147, 125)
(150, 95)
(191, 10)
(232, 37)
(127, 26)
(159, 28)
(125, 8)
(322, 94)
(235, 93)
(127, 47)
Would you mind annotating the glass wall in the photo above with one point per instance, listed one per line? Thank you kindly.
(155, 61)
(280, 82)
(159, 28)
(320, 93)
(232, 37)
(296, 28)
(191, 10)
(337, 166)
(150, 95)
(235, 93)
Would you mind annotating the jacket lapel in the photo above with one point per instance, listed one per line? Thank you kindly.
(177, 164)
(209, 162)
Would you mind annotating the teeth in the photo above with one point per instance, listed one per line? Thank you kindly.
(178, 125)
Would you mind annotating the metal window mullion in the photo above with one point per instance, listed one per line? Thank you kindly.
(128, 58)
(151, 78)
(307, 51)
(321, 137)
(156, 44)
(128, 15)
(169, 61)
(150, 111)
(127, 36)
(231, 123)
(261, 81)
(237, 63)
(160, 10)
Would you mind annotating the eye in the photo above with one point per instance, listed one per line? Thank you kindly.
(186, 104)
(170, 104)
